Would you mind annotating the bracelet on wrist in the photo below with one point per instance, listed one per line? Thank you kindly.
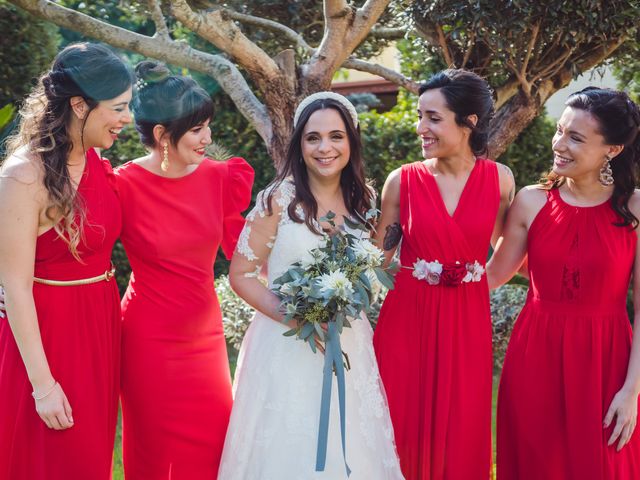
(46, 394)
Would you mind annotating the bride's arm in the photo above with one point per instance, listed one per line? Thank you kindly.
(250, 256)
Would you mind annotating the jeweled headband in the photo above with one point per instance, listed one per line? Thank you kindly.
(326, 95)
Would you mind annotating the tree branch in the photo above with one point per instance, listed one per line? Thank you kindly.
(225, 34)
(158, 18)
(177, 53)
(384, 72)
(334, 8)
(470, 43)
(345, 28)
(521, 76)
(389, 33)
(365, 18)
(335, 14)
(270, 25)
(505, 92)
(532, 44)
(442, 41)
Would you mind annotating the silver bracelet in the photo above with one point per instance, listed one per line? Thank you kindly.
(36, 398)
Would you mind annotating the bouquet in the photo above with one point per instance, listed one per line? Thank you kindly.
(321, 294)
(336, 283)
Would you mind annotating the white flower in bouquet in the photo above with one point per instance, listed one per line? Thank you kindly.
(315, 257)
(336, 285)
(367, 252)
(288, 289)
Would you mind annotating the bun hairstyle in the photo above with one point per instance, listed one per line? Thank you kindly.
(86, 70)
(466, 94)
(618, 119)
(177, 103)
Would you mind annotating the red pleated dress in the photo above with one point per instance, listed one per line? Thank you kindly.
(176, 384)
(569, 350)
(433, 342)
(80, 330)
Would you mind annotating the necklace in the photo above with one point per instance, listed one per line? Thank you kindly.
(322, 208)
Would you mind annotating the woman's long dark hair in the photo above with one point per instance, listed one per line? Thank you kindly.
(357, 195)
(618, 118)
(86, 70)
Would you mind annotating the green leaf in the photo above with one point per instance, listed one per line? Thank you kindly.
(290, 333)
(6, 115)
(364, 296)
(384, 278)
(306, 330)
(365, 280)
(319, 330)
(354, 224)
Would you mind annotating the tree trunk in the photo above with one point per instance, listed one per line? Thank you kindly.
(509, 122)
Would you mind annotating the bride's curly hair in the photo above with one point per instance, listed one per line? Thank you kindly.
(86, 70)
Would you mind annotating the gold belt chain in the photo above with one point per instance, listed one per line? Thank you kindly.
(106, 276)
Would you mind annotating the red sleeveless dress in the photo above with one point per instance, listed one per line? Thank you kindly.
(433, 342)
(569, 350)
(176, 384)
(80, 329)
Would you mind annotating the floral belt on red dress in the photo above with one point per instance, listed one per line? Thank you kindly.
(447, 274)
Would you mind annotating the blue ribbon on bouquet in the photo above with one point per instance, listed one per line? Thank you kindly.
(332, 359)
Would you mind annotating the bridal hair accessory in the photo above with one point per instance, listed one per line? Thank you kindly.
(322, 96)
(140, 84)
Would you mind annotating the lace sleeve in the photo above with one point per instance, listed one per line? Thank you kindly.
(257, 237)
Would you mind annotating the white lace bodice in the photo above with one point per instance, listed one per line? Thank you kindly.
(290, 243)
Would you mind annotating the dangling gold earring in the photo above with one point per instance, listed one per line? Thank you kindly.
(606, 174)
(165, 157)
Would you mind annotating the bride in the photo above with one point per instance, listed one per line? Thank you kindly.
(273, 431)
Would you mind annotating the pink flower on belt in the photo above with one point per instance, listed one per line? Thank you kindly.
(448, 274)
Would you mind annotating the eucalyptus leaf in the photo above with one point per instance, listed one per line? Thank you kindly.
(306, 330)
(290, 333)
(384, 278)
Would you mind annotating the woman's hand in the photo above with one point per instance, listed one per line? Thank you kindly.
(53, 407)
(624, 407)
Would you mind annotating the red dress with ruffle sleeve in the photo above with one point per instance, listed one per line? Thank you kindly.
(176, 384)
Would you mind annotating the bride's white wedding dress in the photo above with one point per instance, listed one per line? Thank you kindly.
(273, 431)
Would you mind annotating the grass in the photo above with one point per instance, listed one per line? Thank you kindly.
(118, 473)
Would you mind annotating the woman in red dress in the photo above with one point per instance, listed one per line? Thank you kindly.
(568, 400)
(60, 218)
(178, 208)
(433, 339)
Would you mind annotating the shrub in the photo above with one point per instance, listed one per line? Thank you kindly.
(506, 303)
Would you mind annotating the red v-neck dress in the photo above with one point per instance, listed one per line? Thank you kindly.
(569, 350)
(80, 330)
(433, 342)
(176, 384)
